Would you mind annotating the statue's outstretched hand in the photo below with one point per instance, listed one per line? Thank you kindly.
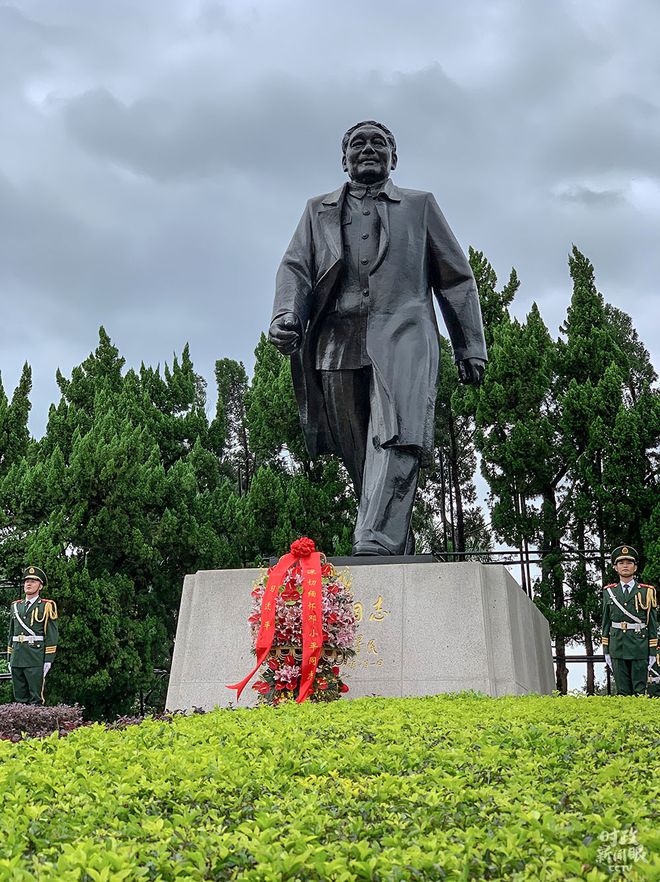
(285, 333)
(471, 370)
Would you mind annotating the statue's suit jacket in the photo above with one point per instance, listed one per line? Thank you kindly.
(417, 254)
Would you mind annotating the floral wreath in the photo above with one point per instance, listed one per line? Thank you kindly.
(300, 634)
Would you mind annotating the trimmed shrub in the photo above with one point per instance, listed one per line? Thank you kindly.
(19, 721)
(449, 787)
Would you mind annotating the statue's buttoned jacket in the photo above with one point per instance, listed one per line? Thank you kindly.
(417, 255)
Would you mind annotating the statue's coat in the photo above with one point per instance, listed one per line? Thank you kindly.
(417, 254)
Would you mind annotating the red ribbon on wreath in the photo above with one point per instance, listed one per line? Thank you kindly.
(303, 551)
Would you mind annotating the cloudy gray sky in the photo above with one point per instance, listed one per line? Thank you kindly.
(155, 156)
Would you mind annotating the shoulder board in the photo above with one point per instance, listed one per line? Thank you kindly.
(611, 585)
(16, 601)
(46, 600)
(644, 585)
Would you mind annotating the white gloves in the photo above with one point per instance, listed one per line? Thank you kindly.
(47, 667)
(608, 662)
(651, 661)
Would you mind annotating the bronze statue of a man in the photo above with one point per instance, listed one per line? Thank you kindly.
(353, 308)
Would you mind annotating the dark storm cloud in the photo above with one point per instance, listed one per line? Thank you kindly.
(236, 131)
(156, 156)
(595, 198)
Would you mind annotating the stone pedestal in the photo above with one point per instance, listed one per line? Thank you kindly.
(425, 628)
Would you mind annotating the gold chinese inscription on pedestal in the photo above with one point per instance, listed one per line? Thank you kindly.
(366, 646)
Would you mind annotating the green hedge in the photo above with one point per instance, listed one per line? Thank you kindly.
(451, 787)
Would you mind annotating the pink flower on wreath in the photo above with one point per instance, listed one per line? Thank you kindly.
(288, 674)
(303, 547)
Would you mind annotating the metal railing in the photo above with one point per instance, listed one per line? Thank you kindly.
(523, 558)
(585, 659)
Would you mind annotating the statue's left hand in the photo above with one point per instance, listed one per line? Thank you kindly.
(471, 370)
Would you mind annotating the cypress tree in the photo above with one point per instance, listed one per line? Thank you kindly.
(610, 425)
(121, 498)
(447, 516)
(230, 424)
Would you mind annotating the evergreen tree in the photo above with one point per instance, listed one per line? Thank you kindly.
(651, 534)
(15, 447)
(523, 463)
(272, 412)
(494, 304)
(447, 516)
(230, 424)
(610, 428)
(121, 498)
(14, 432)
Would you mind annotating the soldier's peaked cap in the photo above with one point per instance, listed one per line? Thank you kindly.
(35, 573)
(624, 552)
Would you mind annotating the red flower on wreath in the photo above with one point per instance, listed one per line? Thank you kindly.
(262, 687)
(303, 547)
(291, 592)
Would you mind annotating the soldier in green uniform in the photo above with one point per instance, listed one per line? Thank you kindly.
(630, 626)
(653, 689)
(32, 641)
(654, 678)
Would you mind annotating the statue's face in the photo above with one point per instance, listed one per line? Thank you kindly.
(368, 156)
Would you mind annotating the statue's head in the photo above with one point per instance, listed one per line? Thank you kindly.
(368, 152)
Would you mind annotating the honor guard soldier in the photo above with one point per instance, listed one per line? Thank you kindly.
(32, 641)
(654, 678)
(630, 627)
(653, 688)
